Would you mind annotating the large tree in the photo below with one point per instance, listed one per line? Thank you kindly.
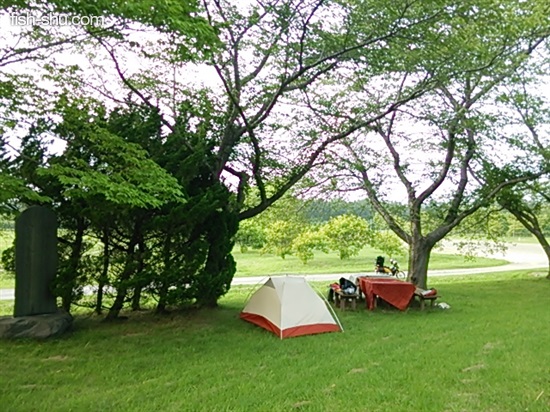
(443, 148)
(529, 202)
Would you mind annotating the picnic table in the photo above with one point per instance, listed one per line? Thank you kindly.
(396, 292)
(341, 299)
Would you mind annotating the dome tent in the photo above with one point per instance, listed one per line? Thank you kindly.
(288, 307)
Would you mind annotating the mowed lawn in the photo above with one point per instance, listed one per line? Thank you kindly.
(488, 352)
(253, 263)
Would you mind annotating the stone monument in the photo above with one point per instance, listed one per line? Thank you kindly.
(36, 313)
(35, 261)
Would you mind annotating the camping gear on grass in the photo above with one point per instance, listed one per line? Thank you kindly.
(288, 307)
(345, 286)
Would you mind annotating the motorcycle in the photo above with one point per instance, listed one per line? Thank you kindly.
(392, 270)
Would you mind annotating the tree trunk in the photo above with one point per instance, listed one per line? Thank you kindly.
(161, 306)
(115, 309)
(545, 246)
(163, 291)
(136, 298)
(129, 268)
(419, 258)
(73, 266)
(215, 279)
(104, 277)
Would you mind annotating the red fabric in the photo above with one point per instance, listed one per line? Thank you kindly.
(430, 292)
(261, 322)
(289, 332)
(396, 292)
(310, 329)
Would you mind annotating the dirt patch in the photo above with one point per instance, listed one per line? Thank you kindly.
(132, 334)
(489, 346)
(57, 358)
(474, 367)
(298, 405)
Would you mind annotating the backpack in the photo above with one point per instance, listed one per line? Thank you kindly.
(347, 286)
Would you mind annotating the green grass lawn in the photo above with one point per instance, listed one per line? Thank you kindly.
(522, 239)
(6, 240)
(5, 281)
(253, 263)
(489, 352)
(507, 239)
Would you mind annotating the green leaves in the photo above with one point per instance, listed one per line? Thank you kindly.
(280, 235)
(308, 241)
(347, 234)
(14, 190)
(113, 168)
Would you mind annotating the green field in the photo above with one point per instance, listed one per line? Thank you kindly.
(6, 282)
(253, 263)
(6, 239)
(488, 352)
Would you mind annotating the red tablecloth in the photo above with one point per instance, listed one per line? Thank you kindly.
(393, 291)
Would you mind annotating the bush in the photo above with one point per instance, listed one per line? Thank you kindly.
(8, 261)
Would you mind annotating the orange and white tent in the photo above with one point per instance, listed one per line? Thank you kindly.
(288, 307)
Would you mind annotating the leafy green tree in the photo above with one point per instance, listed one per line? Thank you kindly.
(388, 242)
(347, 235)
(308, 241)
(320, 210)
(98, 171)
(250, 235)
(450, 129)
(8, 261)
(280, 236)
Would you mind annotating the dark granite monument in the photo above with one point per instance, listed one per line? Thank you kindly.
(36, 314)
(35, 261)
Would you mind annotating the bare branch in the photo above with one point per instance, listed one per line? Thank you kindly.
(129, 84)
(374, 199)
(451, 145)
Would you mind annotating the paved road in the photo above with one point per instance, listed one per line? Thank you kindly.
(520, 256)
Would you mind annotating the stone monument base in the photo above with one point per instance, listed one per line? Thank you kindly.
(36, 326)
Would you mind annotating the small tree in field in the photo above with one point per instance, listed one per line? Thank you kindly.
(388, 242)
(347, 234)
(307, 242)
(279, 237)
(250, 235)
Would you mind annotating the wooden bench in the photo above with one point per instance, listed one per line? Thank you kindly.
(423, 298)
(341, 299)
